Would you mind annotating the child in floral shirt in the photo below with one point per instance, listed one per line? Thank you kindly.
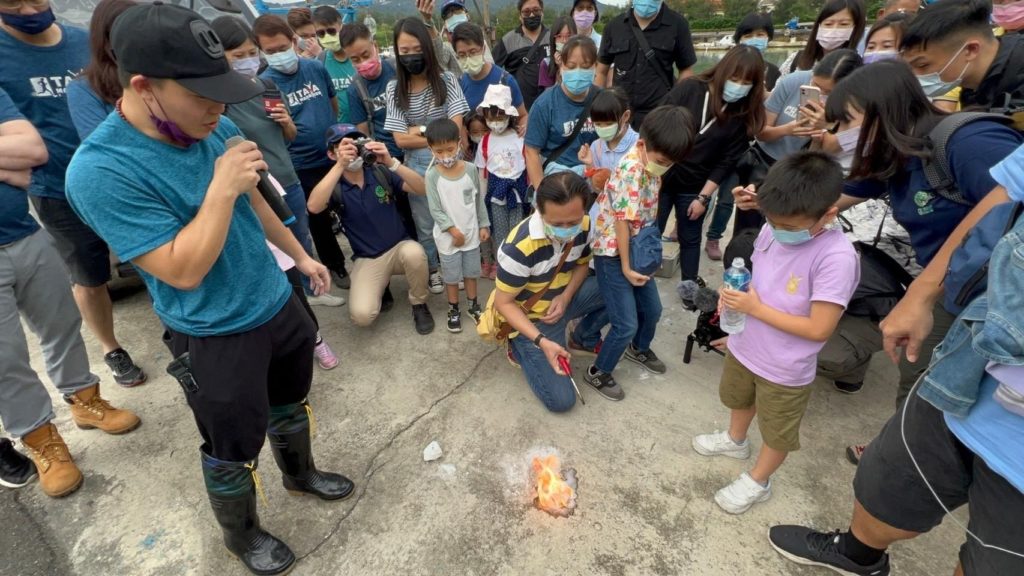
(628, 203)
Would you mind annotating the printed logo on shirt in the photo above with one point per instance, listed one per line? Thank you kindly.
(308, 92)
(923, 201)
(51, 86)
(791, 111)
(341, 84)
(567, 127)
(382, 195)
(793, 284)
(380, 102)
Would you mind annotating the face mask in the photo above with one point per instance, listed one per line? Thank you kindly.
(759, 43)
(578, 80)
(532, 22)
(454, 21)
(472, 64)
(30, 24)
(247, 66)
(475, 138)
(559, 46)
(562, 233)
(791, 237)
(332, 43)
(832, 38)
(310, 46)
(1009, 16)
(873, 57)
(934, 85)
(369, 69)
(734, 91)
(848, 139)
(646, 8)
(607, 133)
(286, 62)
(169, 128)
(584, 20)
(655, 169)
(446, 161)
(497, 126)
(413, 63)
(355, 165)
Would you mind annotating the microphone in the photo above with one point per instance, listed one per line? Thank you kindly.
(697, 297)
(267, 189)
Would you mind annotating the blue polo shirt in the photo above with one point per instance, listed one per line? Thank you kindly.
(138, 193)
(15, 221)
(369, 216)
(928, 217)
(474, 90)
(308, 93)
(36, 78)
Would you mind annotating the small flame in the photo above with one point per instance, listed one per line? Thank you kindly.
(554, 494)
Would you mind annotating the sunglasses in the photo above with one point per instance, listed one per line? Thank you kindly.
(329, 30)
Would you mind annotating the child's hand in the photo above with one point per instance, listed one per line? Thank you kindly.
(485, 234)
(458, 238)
(635, 278)
(746, 302)
(720, 344)
(746, 197)
(584, 155)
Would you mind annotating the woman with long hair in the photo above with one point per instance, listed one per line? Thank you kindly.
(562, 29)
(726, 103)
(839, 24)
(421, 93)
(91, 98)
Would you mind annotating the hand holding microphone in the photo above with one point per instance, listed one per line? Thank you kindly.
(242, 163)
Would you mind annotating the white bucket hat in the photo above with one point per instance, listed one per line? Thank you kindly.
(500, 96)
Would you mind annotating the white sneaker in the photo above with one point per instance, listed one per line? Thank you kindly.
(436, 284)
(325, 300)
(721, 444)
(744, 492)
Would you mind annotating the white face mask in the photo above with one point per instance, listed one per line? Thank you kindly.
(497, 126)
(355, 165)
(832, 38)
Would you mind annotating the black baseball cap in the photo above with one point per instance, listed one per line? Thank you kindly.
(172, 42)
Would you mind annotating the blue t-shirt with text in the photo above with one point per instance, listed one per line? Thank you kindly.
(15, 221)
(138, 193)
(552, 119)
(377, 89)
(308, 93)
(36, 78)
(474, 90)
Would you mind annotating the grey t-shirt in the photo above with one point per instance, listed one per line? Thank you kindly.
(253, 121)
(785, 101)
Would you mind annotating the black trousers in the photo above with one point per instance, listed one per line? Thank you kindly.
(320, 225)
(690, 232)
(239, 377)
(295, 279)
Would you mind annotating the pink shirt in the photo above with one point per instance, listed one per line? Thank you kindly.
(789, 278)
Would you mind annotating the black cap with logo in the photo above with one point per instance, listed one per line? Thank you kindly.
(172, 42)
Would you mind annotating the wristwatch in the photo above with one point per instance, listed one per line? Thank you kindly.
(536, 341)
(704, 199)
(395, 165)
(423, 130)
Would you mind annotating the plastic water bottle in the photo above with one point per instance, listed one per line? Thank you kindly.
(736, 277)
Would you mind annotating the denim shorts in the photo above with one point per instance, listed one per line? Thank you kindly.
(461, 265)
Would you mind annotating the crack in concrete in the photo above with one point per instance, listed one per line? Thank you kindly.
(371, 470)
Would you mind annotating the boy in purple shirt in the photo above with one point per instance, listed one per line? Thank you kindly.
(804, 274)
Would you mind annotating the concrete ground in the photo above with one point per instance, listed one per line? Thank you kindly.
(645, 498)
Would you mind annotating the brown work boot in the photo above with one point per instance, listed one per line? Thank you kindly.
(58, 474)
(90, 410)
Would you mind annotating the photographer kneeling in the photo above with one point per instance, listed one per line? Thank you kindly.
(365, 195)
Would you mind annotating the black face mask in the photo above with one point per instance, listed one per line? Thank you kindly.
(532, 22)
(413, 63)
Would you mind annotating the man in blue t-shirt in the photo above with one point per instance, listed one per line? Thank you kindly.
(373, 73)
(159, 183)
(309, 92)
(478, 73)
(41, 58)
(33, 285)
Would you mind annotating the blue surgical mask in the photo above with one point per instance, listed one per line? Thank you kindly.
(734, 91)
(286, 62)
(455, 20)
(562, 233)
(791, 237)
(760, 43)
(30, 24)
(933, 84)
(577, 80)
(646, 8)
(247, 66)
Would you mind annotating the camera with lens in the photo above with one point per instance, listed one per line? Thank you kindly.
(369, 158)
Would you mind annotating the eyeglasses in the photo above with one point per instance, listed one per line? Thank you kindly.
(528, 13)
(17, 4)
(319, 33)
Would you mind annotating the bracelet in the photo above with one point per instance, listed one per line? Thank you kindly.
(395, 165)
(536, 341)
(705, 200)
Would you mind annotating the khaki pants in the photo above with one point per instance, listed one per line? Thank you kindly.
(370, 276)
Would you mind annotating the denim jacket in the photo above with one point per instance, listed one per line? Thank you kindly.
(990, 329)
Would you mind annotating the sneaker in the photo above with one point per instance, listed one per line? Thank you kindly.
(720, 444)
(604, 383)
(387, 300)
(436, 285)
(744, 492)
(16, 469)
(648, 360)
(126, 372)
(454, 320)
(325, 357)
(848, 387)
(326, 300)
(341, 279)
(811, 548)
(576, 347)
(475, 313)
(423, 319)
(713, 249)
(855, 452)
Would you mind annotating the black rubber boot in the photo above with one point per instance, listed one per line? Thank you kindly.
(232, 495)
(290, 442)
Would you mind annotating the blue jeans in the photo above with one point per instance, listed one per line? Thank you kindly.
(723, 207)
(555, 390)
(418, 160)
(634, 312)
(295, 198)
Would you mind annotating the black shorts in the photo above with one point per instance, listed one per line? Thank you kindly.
(890, 488)
(85, 254)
